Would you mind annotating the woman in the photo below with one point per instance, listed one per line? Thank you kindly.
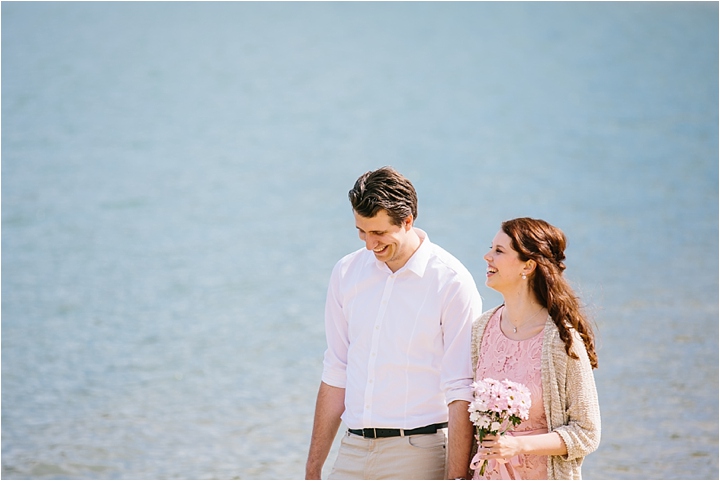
(537, 337)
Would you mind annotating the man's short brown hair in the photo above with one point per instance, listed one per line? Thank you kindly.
(384, 188)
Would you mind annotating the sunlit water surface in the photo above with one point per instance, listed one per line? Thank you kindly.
(174, 180)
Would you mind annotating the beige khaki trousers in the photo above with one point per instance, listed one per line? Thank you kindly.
(403, 457)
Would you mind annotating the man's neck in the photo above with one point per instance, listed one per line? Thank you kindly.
(412, 246)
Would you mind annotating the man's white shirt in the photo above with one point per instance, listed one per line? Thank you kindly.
(399, 343)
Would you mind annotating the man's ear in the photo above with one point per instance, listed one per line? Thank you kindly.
(407, 223)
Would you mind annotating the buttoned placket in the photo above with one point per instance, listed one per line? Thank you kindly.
(377, 329)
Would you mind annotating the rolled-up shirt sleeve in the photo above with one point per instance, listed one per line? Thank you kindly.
(336, 333)
(464, 305)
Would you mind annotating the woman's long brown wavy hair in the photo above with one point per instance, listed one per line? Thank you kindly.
(545, 244)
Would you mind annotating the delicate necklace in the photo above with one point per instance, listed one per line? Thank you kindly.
(527, 320)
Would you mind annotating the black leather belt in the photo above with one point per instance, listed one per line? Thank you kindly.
(389, 433)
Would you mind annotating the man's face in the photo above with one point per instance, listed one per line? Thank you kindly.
(387, 240)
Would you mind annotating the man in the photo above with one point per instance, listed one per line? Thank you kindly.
(397, 368)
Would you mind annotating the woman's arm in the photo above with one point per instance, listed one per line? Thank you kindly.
(581, 433)
(507, 446)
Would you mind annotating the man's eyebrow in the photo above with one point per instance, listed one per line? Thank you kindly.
(373, 231)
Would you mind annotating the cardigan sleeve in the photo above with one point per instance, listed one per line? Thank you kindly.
(581, 430)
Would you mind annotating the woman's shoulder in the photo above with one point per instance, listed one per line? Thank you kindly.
(551, 330)
(552, 335)
(478, 328)
(479, 324)
(485, 316)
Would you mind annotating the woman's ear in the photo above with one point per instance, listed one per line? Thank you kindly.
(530, 266)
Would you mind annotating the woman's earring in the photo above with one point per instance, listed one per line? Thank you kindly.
(524, 276)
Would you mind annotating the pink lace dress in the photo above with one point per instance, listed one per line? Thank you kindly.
(518, 361)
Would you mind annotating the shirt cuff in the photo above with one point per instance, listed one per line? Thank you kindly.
(459, 394)
(334, 377)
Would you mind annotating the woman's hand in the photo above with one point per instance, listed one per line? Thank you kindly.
(500, 447)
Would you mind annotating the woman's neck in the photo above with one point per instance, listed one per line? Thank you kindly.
(522, 309)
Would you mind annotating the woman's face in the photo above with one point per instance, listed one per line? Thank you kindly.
(505, 269)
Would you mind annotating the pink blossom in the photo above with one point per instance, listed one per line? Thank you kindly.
(497, 406)
(499, 400)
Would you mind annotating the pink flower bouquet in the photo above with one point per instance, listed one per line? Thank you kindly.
(498, 406)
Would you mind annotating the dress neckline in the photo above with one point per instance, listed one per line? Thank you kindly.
(497, 315)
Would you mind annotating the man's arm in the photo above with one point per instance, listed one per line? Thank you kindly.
(457, 373)
(328, 409)
(460, 439)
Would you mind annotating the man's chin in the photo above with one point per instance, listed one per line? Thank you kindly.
(385, 257)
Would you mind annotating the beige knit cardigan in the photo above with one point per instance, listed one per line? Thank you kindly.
(569, 396)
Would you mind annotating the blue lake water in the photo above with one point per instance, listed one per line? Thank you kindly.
(174, 196)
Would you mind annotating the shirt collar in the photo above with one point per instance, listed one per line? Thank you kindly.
(418, 261)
